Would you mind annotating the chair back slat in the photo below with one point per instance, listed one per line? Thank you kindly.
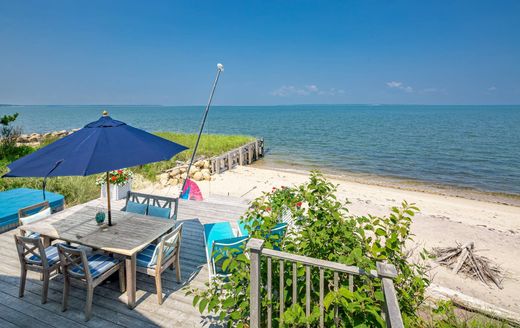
(28, 247)
(161, 202)
(137, 198)
(74, 261)
(169, 245)
(34, 212)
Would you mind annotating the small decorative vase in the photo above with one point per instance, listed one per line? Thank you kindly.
(100, 217)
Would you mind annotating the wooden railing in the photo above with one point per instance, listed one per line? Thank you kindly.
(385, 272)
(243, 155)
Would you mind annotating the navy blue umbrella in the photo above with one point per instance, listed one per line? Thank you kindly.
(101, 146)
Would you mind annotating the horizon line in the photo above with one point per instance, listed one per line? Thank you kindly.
(273, 105)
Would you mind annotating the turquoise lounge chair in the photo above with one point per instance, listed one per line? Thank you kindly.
(220, 239)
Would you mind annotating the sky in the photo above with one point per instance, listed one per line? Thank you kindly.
(274, 52)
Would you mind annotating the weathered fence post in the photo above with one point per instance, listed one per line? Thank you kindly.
(255, 247)
(250, 154)
(387, 273)
(241, 156)
(257, 150)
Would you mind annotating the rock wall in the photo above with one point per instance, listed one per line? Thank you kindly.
(200, 170)
(36, 138)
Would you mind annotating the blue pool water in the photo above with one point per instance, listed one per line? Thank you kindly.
(464, 146)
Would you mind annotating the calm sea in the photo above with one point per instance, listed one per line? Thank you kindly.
(465, 146)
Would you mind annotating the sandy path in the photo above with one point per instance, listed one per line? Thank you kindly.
(444, 220)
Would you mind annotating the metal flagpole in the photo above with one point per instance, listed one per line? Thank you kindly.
(220, 68)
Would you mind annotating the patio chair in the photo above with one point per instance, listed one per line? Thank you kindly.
(163, 207)
(220, 241)
(34, 257)
(32, 214)
(156, 206)
(156, 258)
(89, 271)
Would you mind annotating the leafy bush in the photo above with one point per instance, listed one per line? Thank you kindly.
(323, 229)
(8, 137)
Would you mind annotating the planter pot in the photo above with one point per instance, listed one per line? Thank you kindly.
(116, 192)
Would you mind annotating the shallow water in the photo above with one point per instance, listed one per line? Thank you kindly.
(464, 146)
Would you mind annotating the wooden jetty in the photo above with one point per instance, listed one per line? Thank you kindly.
(244, 155)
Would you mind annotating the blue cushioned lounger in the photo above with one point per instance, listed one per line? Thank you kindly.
(227, 247)
(219, 236)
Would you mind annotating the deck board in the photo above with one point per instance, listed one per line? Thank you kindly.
(109, 308)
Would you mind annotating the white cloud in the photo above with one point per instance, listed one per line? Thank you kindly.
(492, 88)
(311, 89)
(400, 86)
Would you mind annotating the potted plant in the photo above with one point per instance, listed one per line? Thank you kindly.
(120, 183)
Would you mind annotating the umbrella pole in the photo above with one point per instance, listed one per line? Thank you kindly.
(108, 201)
(220, 68)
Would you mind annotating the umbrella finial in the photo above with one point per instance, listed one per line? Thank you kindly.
(105, 113)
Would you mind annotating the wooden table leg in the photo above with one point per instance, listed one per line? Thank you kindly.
(130, 262)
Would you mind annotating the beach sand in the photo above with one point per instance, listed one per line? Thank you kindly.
(442, 221)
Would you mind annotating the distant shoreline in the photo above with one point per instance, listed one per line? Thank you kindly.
(396, 182)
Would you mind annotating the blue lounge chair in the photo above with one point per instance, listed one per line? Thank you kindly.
(220, 240)
(242, 226)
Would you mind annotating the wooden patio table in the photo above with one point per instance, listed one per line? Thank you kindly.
(130, 234)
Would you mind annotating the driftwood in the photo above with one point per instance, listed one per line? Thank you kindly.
(473, 304)
(463, 259)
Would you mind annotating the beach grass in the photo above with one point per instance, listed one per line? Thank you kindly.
(210, 145)
(77, 190)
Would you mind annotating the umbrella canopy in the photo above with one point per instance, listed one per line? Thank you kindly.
(101, 146)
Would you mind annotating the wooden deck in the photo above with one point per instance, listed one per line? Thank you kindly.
(110, 308)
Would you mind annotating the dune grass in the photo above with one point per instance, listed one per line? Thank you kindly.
(210, 145)
(78, 190)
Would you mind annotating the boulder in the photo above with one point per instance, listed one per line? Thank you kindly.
(183, 169)
(205, 171)
(175, 171)
(206, 164)
(206, 176)
(198, 176)
(163, 178)
(173, 182)
(35, 138)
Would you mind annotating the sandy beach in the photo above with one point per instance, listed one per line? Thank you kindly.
(443, 221)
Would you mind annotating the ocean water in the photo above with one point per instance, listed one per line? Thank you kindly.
(474, 147)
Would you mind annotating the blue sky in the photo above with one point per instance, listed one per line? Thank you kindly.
(274, 52)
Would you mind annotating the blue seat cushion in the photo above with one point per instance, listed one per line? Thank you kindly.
(136, 208)
(145, 258)
(216, 231)
(51, 253)
(160, 212)
(31, 234)
(97, 265)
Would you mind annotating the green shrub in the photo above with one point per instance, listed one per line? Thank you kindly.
(325, 230)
